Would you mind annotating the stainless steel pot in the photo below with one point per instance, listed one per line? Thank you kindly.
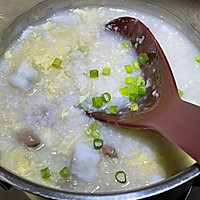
(183, 14)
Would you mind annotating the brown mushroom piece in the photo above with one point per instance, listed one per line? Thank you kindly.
(28, 138)
(109, 151)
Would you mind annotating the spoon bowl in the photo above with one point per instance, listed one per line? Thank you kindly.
(161, 108)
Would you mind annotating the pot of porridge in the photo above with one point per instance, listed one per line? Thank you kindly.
(57, 60)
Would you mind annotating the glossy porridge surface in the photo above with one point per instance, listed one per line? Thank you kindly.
(47, 102)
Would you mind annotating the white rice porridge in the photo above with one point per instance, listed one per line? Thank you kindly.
(46, 102)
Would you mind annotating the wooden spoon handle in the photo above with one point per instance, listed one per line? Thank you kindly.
(183, 131)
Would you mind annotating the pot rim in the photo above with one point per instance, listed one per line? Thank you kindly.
(52, 193)
(15, 180)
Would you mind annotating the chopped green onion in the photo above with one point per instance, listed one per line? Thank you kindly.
(94, 73)
(197, 58)
(120, 176)
(135, 64)
(125, 91)
(143, 58)
(134, 107)
(134, 90)
(180, 92)
(139, 80)
(98, 144)
(127, 44)
(97, 101)
(129, 81)
(142, 90)
(114, 109)
(93, 134)
(133, 97)
(106, 97)
(92, 131)
(64, 173)
(57, 62)
(93, 126)
(128, 69)
(106, 71)
(45, 173)
(96, 134)
(84, 49)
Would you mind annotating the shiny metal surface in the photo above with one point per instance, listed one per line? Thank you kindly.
(183, 14)
(184, 178)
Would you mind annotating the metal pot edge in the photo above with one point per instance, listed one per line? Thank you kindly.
(39, 190)
(179, 179)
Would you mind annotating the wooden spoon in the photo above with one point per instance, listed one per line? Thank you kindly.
(161, 109)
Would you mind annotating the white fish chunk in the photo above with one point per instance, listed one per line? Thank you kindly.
(19, 81)
(24, 77)
(85, 162)
(66, 19)
(27, 72)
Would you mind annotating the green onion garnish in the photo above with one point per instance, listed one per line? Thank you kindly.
(129, 81)
(57, 62)
(127, 44)
(135, 64)
(93, 134)
(64, 173)
(128, 69)
(180, 92)
(94, 73)
(96, 134)
(143, 58)
(84, 49)
(106, 97)
(120, 176)
(142, 90)
(139, 80)
(134, 90)
(114, 109)
(197, 58)
(106, 71)
(134, 107)
(92, 131)
(125, 91)
(93, 126)
(133, 97)
(45, 173)
(97, 101)
(98, 144)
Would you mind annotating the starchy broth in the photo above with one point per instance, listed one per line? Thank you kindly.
(43, 123)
